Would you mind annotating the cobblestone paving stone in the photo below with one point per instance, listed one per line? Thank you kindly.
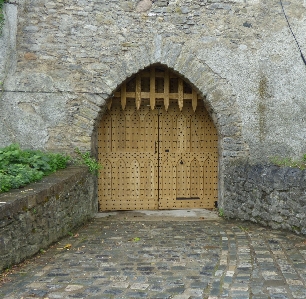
(179, 259)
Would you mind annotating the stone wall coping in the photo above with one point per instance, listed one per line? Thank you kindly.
(18, 201)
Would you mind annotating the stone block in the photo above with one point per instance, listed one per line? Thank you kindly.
(254, 174)
(170, 53)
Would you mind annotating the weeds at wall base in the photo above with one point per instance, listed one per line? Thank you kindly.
(221, 212)
(86, 159)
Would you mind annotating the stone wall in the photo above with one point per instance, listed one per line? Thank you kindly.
(39, 214)
(267, 194)
(66, 58)
(70, 56)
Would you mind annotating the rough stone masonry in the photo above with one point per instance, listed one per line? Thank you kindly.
(61, 60)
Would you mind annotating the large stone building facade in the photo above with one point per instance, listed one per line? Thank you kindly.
(63, 60)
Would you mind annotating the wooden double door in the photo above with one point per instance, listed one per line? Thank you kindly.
(157, 158)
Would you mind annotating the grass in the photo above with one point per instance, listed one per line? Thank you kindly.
(289, 162)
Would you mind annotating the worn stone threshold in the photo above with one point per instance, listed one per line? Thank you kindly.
(160, 215)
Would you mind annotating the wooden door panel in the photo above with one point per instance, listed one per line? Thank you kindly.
(182, 179)
(194, 158)
(134, 179)
(128, 180)
(167, 183)
(195, 179)
(149, 180)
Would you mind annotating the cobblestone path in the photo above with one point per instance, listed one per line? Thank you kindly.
(117, 258)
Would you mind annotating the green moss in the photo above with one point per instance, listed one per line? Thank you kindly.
(296, 229)
(178, 10)
(1, 15)
(289, 162)
(127, 45)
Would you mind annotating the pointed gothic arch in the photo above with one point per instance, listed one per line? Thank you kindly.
(176, 114)
(216, 93)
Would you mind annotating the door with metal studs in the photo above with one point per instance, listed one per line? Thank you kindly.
(157, 145)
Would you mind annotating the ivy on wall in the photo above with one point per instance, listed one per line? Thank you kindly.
(1, 14)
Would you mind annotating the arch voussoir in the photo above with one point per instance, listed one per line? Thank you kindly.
(171, 56)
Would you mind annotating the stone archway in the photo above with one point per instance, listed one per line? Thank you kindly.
(158, 145)
(218, 98)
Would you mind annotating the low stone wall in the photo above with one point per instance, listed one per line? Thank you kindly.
(267, 194)
(33, 217)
